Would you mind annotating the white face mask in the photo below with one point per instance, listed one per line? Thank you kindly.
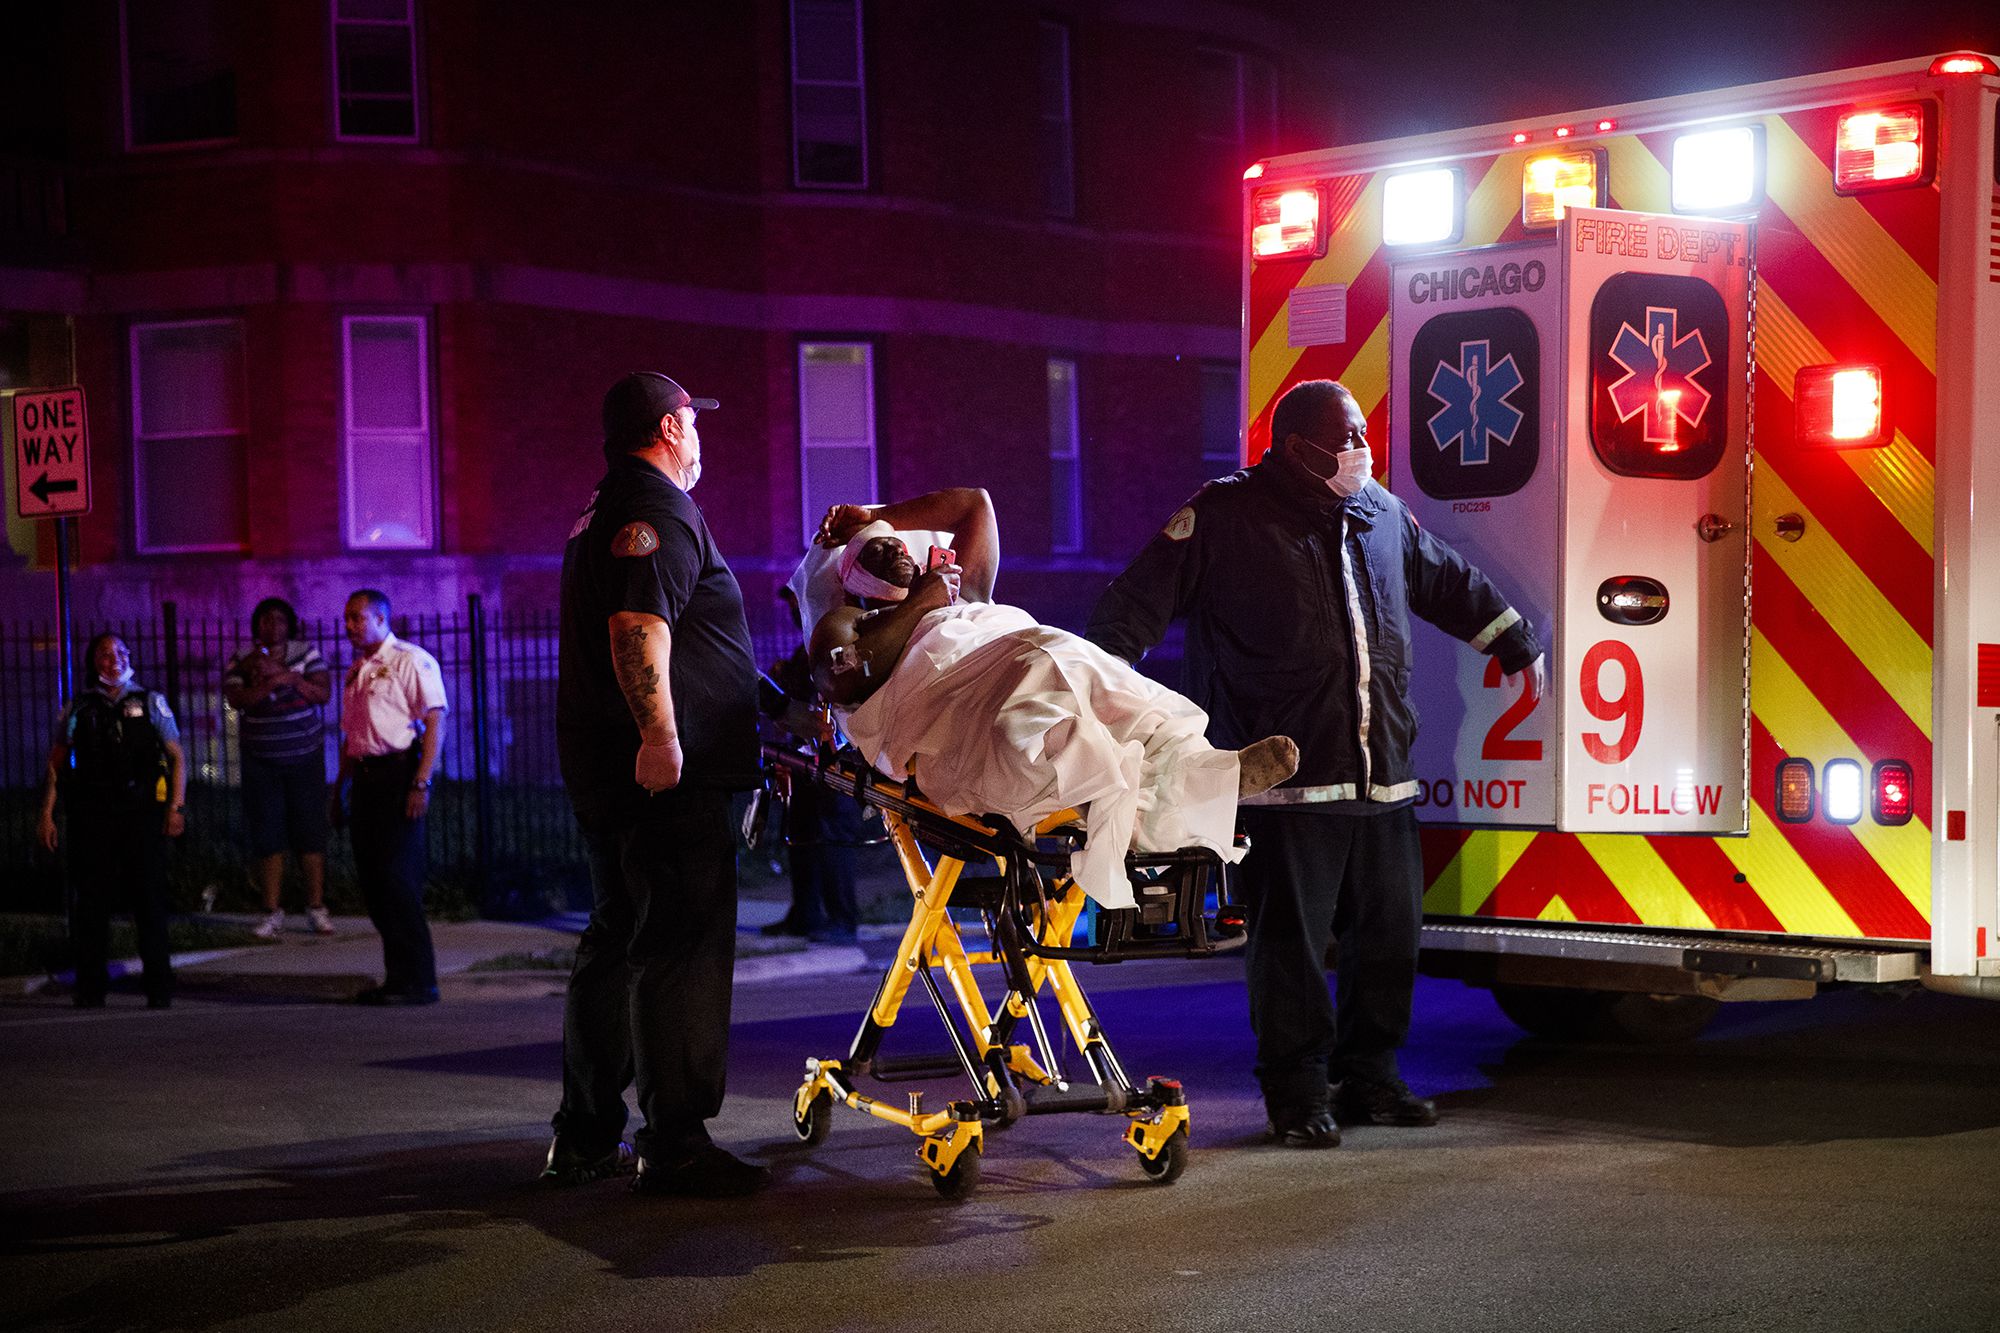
(117, 682)
(691, 469)
(1352, 475)
(1351, 467)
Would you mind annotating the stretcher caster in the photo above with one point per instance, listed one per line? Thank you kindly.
(1166, 1168)
(953, 1159)
(816, 1121)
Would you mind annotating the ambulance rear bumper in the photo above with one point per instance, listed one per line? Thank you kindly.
(1725, 967)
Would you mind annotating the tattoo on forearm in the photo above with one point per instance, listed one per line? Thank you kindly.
(637, 676)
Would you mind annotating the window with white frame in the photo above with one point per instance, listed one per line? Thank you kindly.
(375, 70)
(387, 462)
(836, 428)
(180, 83)
(1065, 468)
(829, 96)
(188, 436)
(1221, 444)
(1058, 130)
(1236, 98)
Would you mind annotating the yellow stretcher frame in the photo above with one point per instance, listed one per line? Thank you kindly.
(1030, 929)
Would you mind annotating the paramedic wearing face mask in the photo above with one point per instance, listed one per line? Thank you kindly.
(656, 724)
(1296, 577)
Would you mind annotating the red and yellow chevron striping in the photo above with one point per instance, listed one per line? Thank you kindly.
(1841, 618)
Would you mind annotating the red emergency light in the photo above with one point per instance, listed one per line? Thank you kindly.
(1895, 792)
(1285, 224)
(1563, 131)
(1883, 148)
(1606, 126)
(1840, 407)
(1520, 136)
(1795, 791)
(1964, 62)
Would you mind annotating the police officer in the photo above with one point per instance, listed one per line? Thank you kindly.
(116, 763)
(1296, 577)
(656, 714)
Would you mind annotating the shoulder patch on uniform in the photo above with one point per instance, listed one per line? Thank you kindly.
(637, 538)
(1181, 526)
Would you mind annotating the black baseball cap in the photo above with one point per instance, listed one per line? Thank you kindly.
(634, 405)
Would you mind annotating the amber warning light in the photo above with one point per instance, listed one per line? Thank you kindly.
(1554, 183)
(1284, 224)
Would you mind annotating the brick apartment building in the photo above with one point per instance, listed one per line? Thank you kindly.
(343, 280)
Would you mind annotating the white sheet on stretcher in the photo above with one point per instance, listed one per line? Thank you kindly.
(995, 712)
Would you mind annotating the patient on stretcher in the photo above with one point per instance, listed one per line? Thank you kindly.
(992, 712)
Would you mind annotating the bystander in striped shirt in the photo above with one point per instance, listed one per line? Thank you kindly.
(283, 726)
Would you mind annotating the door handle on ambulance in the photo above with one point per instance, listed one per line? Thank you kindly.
(1713, 527)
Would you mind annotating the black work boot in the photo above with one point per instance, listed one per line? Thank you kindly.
(711, 1173)
(1381, 1101)
(567, 1166)
(1313, 1127)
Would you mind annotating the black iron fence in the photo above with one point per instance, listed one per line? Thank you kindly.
(502, 840)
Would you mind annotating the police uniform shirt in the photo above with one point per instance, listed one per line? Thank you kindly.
(641, 545)
(385, 696)
(133, 701)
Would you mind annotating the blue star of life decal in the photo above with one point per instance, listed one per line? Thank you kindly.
(1660, 367)
(1474, 394)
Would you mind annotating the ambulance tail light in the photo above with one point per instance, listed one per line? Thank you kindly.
(1895, 792)
(1840, 407)
(1964, 62)
(1718, 171)
(1422, 207)
(1554, 183)
(1285, 224)
(1841, 788)
(1795, 791)
(1883, 148)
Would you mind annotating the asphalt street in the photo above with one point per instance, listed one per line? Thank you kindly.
(261, 1162)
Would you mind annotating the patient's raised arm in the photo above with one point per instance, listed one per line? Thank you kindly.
(966, 512)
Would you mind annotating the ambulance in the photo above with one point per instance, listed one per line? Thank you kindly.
(1710, 386)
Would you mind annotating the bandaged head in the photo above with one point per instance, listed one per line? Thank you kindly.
(858, 580)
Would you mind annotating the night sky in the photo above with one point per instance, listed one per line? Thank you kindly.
(1420, 65)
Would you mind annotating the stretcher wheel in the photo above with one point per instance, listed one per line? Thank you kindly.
(813, 1127)
(963, 1178)
(1167, 1167)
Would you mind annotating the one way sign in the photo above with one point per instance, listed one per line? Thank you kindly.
(51, 453)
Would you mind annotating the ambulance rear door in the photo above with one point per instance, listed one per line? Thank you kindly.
(1654, 603)
(1474, 399)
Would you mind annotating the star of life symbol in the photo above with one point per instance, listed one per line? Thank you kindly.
(1659, 375)
(1474, 394)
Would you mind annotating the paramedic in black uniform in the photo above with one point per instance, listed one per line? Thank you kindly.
(656, 715)
(1296, 578)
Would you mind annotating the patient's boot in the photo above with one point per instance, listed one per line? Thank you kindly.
(1263, 764)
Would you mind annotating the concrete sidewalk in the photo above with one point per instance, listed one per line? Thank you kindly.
(473, 958)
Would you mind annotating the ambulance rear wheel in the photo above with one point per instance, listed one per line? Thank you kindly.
(1167, 1167)
(1563, 1013)
(1657, 1019)
(1560, 1013)
(813, 1127)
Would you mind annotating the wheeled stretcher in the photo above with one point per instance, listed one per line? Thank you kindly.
(1030, 909)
